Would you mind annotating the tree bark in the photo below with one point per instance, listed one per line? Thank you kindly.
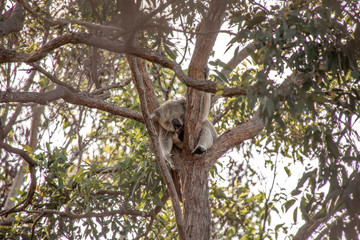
(197, 216)
(194, 174)
(154, 140)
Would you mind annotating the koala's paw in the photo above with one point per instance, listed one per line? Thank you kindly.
(199, 150)
(171, 163)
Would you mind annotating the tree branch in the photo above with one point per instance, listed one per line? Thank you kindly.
(233, 137)
(32, 186)
(204, 44)
(251, 128)
(53, 78)
(19, 152)
(111, 86)
(93, 214)
(7, 55)
(61, 22)
(38, 218)
(156, 147)
(74, 98)
(35, 122)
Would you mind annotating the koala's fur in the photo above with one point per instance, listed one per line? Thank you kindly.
(170, 116)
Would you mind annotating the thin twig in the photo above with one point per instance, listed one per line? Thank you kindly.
(262, 231)
(52, 77)
(38, 218)
(111, 86)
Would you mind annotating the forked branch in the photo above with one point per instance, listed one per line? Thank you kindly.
(156, 148)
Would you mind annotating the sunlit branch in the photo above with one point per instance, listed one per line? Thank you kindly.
(234, 137)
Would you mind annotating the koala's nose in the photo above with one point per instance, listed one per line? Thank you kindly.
(176, 123)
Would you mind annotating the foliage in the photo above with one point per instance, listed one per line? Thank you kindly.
(96, 175)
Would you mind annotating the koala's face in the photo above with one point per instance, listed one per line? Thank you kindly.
(170, 115)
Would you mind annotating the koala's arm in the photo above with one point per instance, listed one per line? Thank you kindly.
(206, 101)
(207, 137)
(166, 143)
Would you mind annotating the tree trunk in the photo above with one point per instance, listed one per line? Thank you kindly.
(194, 175)
(196, 205)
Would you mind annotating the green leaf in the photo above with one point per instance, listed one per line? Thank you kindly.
(295, 215)
(27, 148)
(303, 209)
(287, 170)
(221, 76)
(219, 93)
(318, 98)
(332, 146)
(44, 82)
(256, 20)
(302, 180)
(269, 107)
(218, 193)
(171, 53)
(288, 204)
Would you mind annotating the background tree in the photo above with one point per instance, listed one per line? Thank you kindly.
(80, 155)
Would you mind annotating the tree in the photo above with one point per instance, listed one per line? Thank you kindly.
(81, 78)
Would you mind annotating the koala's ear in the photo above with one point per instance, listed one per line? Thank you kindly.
(155, 115)
(183, 102)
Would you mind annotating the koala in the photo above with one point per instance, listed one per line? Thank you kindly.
(170, 116)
